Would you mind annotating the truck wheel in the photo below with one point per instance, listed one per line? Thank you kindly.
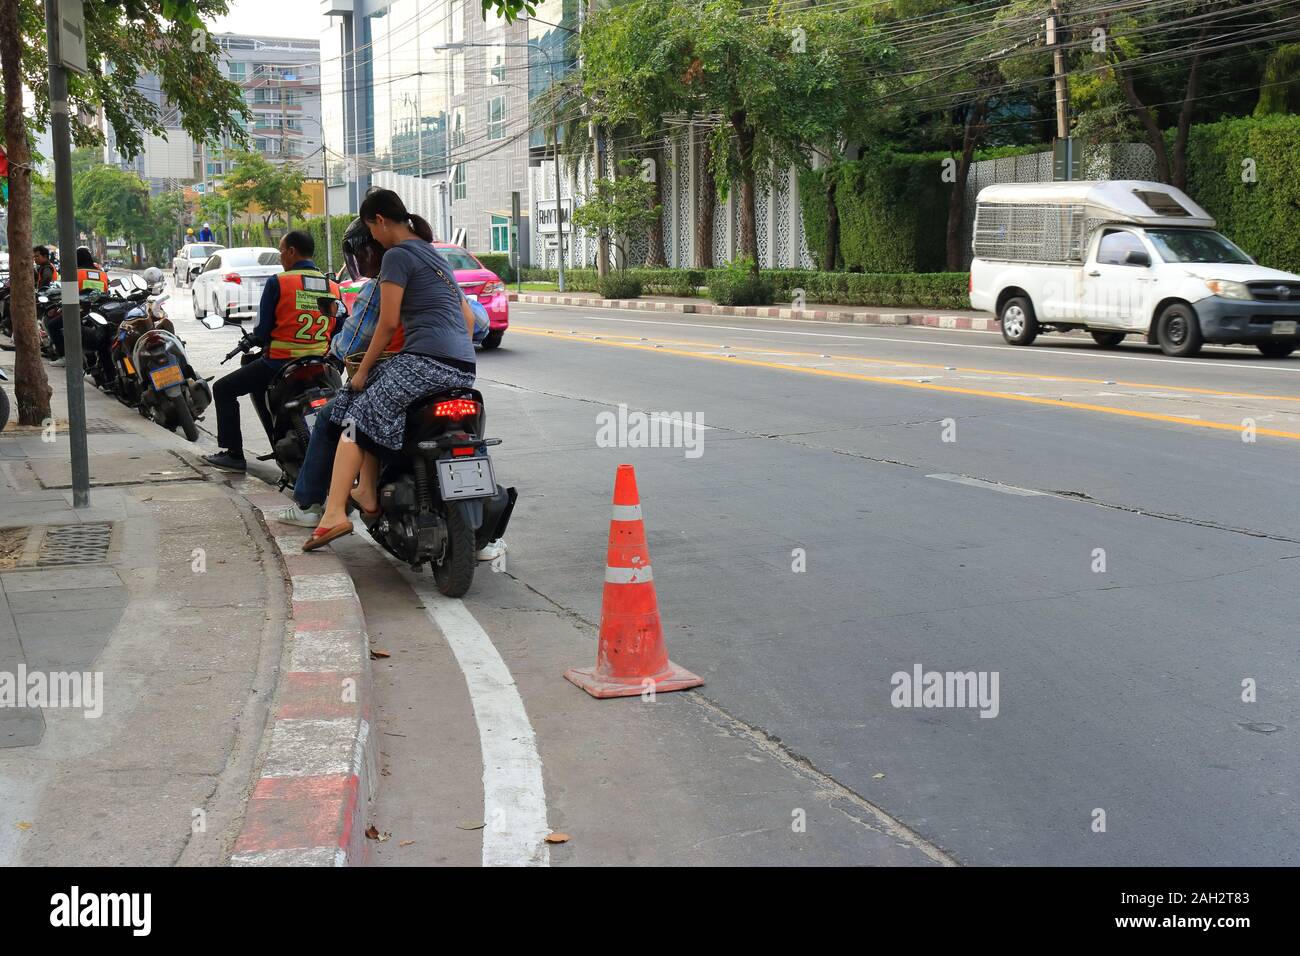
(1275, 349)
(1108, 340)
(1178, 331)
(1019, 326)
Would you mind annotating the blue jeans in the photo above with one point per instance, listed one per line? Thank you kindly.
(313, 484)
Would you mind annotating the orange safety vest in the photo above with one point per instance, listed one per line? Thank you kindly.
(92, 279)
(300, 326)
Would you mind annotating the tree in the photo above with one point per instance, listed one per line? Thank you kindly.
(634, 56)
(254, 182)
(125, 39)
(1160, 60)
(112, 204)
(779, 83)
(622, 206)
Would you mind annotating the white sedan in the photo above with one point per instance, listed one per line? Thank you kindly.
(232, 280)
(191, 259)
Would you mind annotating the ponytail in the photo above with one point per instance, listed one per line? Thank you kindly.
(421, 227)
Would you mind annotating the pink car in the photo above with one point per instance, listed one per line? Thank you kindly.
(478, 284)
(481, 284)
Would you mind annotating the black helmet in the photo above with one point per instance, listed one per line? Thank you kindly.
(360, 251)
(85, 260)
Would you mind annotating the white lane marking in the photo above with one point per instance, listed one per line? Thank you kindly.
(1071, 353)
(989, 485)
(514, 796)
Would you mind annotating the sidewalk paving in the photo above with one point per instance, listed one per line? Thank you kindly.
(811, 312)
(165, 602)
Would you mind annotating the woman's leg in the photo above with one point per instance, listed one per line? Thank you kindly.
(367, 490)
(347, 465)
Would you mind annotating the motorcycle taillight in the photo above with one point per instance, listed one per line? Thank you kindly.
(456, 408)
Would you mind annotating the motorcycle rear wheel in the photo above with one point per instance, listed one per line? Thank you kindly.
(455, 573)
(184, 419)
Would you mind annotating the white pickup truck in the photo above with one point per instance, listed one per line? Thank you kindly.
(1120, 258)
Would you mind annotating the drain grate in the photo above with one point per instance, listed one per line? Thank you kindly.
(75, 544)
(104, 426)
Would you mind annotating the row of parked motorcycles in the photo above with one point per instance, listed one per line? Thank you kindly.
(129, 348)
(439, 502)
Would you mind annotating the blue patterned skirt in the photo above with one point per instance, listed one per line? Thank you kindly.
(379, 410)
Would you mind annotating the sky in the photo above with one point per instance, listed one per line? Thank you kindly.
(273, 18)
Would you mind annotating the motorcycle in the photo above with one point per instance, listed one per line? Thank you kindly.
(131, 387)
(167, 390)
(292, 400)
(439, 502)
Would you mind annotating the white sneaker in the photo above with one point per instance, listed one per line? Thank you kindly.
(301, 517)
(59, 362)
(492, 550)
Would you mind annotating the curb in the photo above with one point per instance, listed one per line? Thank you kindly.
(921, 319)
(318, 775)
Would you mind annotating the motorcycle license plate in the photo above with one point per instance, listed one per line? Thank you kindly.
(1284, 328)
(167, 375)
(466, 478)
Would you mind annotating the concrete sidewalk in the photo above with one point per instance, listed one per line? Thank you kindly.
(810, 312)
(157, 616)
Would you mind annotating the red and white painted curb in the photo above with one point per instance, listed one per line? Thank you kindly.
(972, 323)
(318, 774)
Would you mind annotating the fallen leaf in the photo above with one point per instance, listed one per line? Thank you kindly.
(383, 837)
(23, 825)
(471, 825)
(405, 842)
(877, 776)
(557, 838)
(377, 653)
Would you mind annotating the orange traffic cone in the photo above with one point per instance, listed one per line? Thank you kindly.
(631, 655)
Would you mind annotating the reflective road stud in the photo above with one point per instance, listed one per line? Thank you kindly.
(631, 651)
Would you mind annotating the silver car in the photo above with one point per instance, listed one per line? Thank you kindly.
(190, 261)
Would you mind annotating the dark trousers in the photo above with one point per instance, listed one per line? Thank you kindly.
(250, 379)
(313, 484)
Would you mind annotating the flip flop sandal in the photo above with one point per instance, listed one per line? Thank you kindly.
(323, 536)
(366, 515)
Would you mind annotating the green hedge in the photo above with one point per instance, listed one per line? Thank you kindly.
(934, 290)
(893, 210)
(315, 227)
(618, 285)
(674, 282)
(1262, 217)
(498, 262)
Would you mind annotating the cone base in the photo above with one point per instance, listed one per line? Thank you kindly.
(673, 678)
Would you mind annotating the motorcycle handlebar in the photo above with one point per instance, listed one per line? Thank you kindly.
(246, 343)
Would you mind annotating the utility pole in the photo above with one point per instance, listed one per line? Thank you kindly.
(65, 32)
(325, 192)
(1065, 145)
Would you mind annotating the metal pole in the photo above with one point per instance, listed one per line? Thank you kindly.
(329, 234)
(230, 235)
(74, 370)
(1062, 85)
(559, 206)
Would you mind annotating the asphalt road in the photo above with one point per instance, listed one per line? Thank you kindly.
(953, 501)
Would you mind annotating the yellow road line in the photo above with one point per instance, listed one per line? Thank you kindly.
(928, 386)
(924, 365)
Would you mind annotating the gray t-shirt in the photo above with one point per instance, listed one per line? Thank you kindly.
(432, 321)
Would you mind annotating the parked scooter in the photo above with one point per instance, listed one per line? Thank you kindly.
(439, 502)
(131, 387)
(169, 391)
(300, 389)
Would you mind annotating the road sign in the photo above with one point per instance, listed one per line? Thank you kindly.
(72, 36)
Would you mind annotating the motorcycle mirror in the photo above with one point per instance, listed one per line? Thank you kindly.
(214, 322)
